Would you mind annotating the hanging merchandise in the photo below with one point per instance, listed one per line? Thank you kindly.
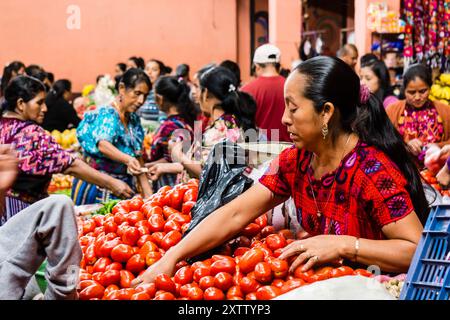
(427, 32)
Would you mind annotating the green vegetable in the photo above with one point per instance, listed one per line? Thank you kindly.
(107, 207)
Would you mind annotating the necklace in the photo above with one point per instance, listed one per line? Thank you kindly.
(319, 212)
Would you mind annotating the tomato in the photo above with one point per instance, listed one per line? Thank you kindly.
(143, 239)
(206, 282)
(110, 277)
(240, 251)
(135, 204)
(135, 264)
(201, 272)
(85, 283)
(237, 277)
(250, 259)
(89, 255)
(126, 277)
(279, 283)
(147, 247)
(172, 225)
(234, 291)
(324, 273)
(262, 221)
(190, 195)
(111, 288)
(363, 272)
(134, 217)
(275, 241)
(277, 253)
(346, 271)
(170, 239)
(176, 199)
(225, 265)
(126, 294)
(286, 233)
(110, 226)
(156, 223)
(292, 284)
(130, 236)
(98, 231)
(181, 264)
(98, 219)
(223, 281)
(164, 296)
(163, 282)
(168, 211)
(268, 230)
(148, 288)
(184, 275)
(121, 253)
(213, 294)
(195, 293)
(267, 292)
(123, 205)
(263, 272)
(187, 207)
(251, 296)
(184, 289)
(140, 296)
(114, 266)
(89, 226)
(85, 276)
(86, 240)
(251, 230)
(248, 285)
(91, 292)
(280, 268)
(152, 257)
(120, 218)
(164, 189)
(122, 227)
(305, 276)
(101, 264)
(149, 210)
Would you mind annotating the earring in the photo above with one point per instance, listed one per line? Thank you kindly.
(325, 131)
(120, 98)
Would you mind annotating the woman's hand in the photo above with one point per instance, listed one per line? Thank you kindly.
(443, 177)
(164, 265)
(445, 152)
(134, 167)
(121, 189)
(156, 170)
(415, 146)
(315, 251)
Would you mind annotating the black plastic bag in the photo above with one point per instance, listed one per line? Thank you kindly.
(221, 181)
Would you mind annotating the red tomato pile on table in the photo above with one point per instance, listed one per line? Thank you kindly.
(432, 181)
(121, 246)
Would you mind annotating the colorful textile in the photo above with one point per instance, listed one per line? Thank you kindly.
(149, 110)
(39, 155)
(368, 192)
(166, 132)
(12, 207)
(105, 124)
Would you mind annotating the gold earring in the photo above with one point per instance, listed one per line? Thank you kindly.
(325, 131)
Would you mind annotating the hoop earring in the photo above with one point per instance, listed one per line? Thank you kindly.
(325, 131)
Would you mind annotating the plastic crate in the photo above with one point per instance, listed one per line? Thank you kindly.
(429, 274)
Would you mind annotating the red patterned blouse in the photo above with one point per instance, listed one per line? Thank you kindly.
(369, 192)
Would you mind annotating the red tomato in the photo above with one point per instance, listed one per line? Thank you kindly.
(187, 207)
(176, 199)
(152, 257)
(181, 264)
(234, 291)
(126, 294)
(251, 296)
(279, 283)
(268, 230)
(237, 277)
(110, 277)
(163, 282)
(190, 195)
(157, 237)
(97, 277)
(164, 296)
(346, 271)
(224, 265)
(89, 226)
(184, 275)
(98, 231)
(168, 211)
(85, 283)
(150, 210)
(267, 292)
(213, 294)
(130, 236)
(122, 227)
(143, 239)
(125, 278)
(240, 251)
(291, 285)
(134, 217)
(101, 264)
(148, 288)
(170, 239)
(223, 281)
(136, 264)
(324, 273)
(121, 253)
(275, 241)
(363, 272)
(206, 282)
(91, 292)
(123, 205)
(201, 272)
(111, 288)
(110, 226)
(249, 260)
(277, 253)
(172, 225)
(156, 223)
(195, 293)
(89, 255)
(251, 230)
(135, 204)
(140, 296)
(287, 234)
(248, 285)
(263, 272)
(280, 268)
(184, 289)
(120, 218)
(261, 221)
(147, 247)
(98, 219)
(114, 266)
(305, 276)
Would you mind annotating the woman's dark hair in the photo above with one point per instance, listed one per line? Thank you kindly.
(58, 89)
(21, 87)
(51, 77)
(368, 58)
(418, 71)
(163, 69)
(122, 66)
(132, 77)
(182, 70)
(14, 66)
(332, 80)
(139, 62)
(36, 71)
(177, 93)
(233, 67)
(223, 85)
(382, 73)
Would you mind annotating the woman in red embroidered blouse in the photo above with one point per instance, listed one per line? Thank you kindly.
(356, 189)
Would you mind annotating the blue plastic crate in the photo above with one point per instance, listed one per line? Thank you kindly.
(429, 274)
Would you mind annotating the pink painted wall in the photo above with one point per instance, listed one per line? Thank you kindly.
(195, 32)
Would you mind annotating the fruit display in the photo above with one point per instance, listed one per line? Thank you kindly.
(120, 246)
(60, 182)
(430, 178)
(66, 139)
(441, 89)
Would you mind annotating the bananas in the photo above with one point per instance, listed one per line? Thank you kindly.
(67, 139)
(441, 89)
